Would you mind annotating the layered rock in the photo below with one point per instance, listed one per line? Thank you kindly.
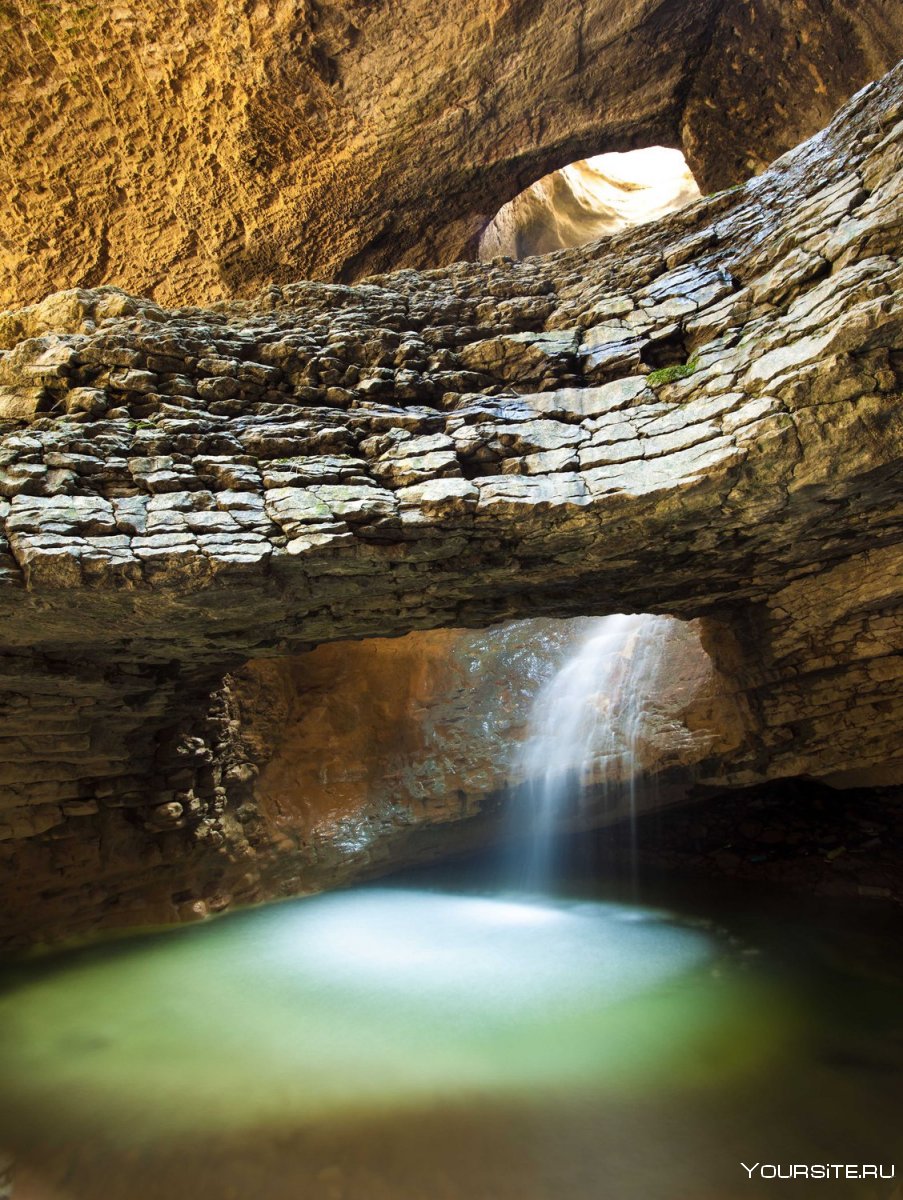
(378, 752)
(192, 151)
(699, 417)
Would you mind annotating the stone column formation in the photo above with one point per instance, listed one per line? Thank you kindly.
(701, 417)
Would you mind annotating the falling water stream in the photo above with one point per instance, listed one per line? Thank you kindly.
(441, 1038)
(585, 730)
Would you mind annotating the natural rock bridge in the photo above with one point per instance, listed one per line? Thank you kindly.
(702, 417)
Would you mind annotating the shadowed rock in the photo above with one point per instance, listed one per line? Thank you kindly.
(700, 417)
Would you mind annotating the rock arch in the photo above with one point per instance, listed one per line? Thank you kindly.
(699, 417)
(196, 151)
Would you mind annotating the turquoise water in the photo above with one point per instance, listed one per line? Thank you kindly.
(410, 1042)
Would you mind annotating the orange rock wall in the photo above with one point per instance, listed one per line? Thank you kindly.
(357, 737)
(192, 150)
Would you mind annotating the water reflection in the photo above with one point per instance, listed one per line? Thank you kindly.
(374, 995)
(408, 1044)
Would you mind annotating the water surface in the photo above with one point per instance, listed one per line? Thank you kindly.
(410, 1042)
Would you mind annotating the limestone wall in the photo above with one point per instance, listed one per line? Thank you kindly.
(701, 418)
(357, 745)
(194, 150)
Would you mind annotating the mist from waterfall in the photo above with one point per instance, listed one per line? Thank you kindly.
(585, 731)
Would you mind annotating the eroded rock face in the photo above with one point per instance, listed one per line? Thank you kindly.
(186, 490)
(193, 151)
(373, 752)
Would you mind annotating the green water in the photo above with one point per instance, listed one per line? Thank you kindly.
(414, 1042)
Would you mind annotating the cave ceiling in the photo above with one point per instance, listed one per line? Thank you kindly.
(192, 150)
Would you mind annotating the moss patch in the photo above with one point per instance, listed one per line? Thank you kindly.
(671, 374)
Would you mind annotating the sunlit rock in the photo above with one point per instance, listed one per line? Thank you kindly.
(196, 151)
(698, 417)
(375, 750)
(588, 199)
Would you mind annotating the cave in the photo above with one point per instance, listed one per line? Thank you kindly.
(590, 199)
(450, 554)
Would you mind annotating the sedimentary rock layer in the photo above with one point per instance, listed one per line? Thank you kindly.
(700, 417)
(362, 746)
(198, 149)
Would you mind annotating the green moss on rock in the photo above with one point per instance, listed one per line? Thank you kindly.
(671, 374)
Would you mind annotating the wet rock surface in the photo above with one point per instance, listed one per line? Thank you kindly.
(701, 418)
(363, 753)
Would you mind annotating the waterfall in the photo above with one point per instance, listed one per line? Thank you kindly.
(585, 730)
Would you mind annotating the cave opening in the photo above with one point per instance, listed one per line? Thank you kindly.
(438, 741)
(595, 916)
(633, 743)
(447, 1003)
(588, 199)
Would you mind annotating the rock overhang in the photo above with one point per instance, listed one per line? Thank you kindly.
(250, 146)
(700, 417)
